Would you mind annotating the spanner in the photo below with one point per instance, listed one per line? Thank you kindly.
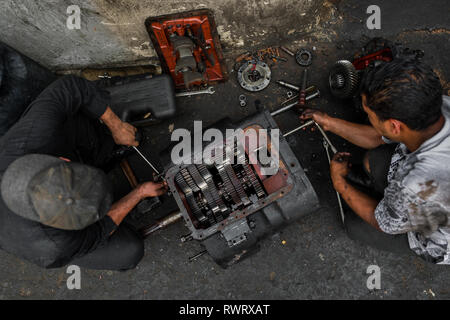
(209, 90)
(326, 146)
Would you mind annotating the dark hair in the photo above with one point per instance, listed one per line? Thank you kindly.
(406, 90)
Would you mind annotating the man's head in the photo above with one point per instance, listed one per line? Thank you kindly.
(401, 96)
(56, 193)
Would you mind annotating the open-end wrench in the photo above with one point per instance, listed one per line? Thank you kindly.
(326, 146)
(209, 90)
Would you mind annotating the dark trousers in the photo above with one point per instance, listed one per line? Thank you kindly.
(123, 251)
(359, 230)
(93, 146)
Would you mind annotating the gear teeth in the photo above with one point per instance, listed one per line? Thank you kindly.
(211, 187)
(190, 198)
(253, 180)
(343, 79)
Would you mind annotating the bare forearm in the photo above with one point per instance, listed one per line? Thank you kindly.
(110, 119)
(362, 204)
(123, 133)
(364, 136)
(121, 208)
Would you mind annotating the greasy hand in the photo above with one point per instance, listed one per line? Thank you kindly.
(125, 134)
(320, 117)
(152, 189)
(339, 168)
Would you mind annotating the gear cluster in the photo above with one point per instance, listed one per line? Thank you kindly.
(213, 192)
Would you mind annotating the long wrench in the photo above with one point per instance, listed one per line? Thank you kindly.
(209, 90)
(146, 160)
(333, 148)
(341, 209)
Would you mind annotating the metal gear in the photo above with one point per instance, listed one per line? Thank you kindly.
(254, 75)
(343, 79)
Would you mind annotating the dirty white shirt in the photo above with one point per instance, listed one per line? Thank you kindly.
(417, 199)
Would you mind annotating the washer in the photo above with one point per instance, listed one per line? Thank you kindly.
(303, 57)
(243, 100)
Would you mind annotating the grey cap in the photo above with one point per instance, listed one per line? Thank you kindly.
(60, 194)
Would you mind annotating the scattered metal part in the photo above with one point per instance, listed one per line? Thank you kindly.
(243, 56)
(289, 94)
(289, 106)
(341, 209)
(186, 238)
(278, 58)
(333, 148)
(209, 90)
(294, 87)
(343, 79)
(198, 255)
(289, 52)
(303, 57)
(170, 219)
(306, 124)
(146, 160)
(243, 100)
(254, 75)
(105, 76)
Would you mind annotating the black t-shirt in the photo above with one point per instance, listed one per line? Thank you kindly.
(43, 129)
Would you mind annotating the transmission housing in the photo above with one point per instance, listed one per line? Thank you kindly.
(230, 206)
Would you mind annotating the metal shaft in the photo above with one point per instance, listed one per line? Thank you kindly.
(341, 209)
(146, 160)
(294, 87)
(288, 85)
(198, 255)
(310, 122)
(289, 52)
(289, 106)
(170, 219)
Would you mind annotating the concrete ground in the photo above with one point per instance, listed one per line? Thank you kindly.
(318, 260)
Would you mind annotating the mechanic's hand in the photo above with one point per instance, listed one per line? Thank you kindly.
(125, 134)
(339, 168)
(152, 189)
(320, 117)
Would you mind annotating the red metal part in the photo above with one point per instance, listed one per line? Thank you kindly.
(160, 29)
(363, 62)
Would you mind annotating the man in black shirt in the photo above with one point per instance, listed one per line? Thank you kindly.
(56, 207)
